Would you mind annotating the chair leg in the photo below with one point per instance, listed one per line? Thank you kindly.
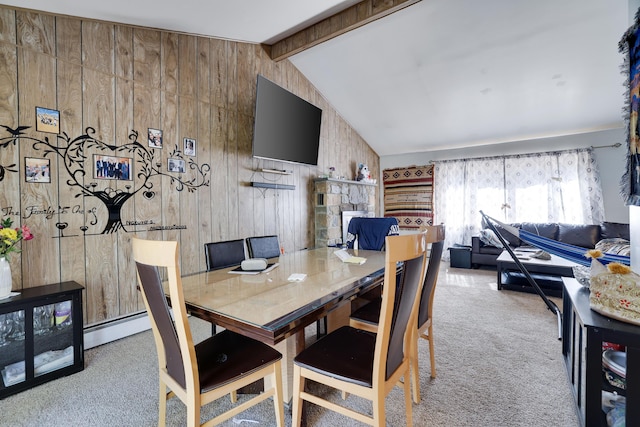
(407, 399)
(233, 396)
(162, 405)
(193, 411)
(415, 373)
(278, 396)
(432, 353)
(378, 409)
(298, 387)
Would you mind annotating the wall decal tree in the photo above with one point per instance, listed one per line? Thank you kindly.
(73, 153)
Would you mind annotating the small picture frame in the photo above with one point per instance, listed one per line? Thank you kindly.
(189, 147)
(112, 167)
(175, 165)
(47, 120)
(37, 170)
(155, 138)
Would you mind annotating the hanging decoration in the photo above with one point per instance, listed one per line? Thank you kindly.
(629, 46)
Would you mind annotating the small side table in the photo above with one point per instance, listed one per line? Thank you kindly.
(583, 332)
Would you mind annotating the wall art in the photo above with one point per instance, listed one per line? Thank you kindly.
(155, 138)
(37, 170)
(629, 46)
(189, 147)
(112, 167)
(175, 165)
(47, 120)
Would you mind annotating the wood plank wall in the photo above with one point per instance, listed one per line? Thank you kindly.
(116, 78)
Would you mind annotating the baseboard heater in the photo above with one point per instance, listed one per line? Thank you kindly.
(116, 329)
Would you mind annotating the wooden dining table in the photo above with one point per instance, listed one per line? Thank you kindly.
(274, 309)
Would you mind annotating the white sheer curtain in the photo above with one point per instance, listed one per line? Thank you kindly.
(543, 187)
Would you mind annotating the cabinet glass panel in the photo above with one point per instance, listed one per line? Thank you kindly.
(12, 348)
(52, 337)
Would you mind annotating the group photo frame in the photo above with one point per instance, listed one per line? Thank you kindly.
(176, 165)
(112, 167)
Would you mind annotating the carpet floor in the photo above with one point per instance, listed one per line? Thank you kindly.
(498, 359)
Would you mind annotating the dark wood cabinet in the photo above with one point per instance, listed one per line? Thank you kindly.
(583, 333)
(41, 336)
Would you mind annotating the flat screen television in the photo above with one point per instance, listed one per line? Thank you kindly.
(286, 127)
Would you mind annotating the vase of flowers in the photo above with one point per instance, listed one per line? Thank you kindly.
(9, 237)
(332, 172)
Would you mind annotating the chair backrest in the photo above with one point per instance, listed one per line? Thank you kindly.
(400, 301)
(224, 254)
(435, 236)
(371, 232)
(263, 247)
(174, 344)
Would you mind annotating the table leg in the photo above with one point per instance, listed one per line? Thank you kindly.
(289, 348)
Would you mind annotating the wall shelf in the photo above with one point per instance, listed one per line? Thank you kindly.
(277, 171)
(272, 185)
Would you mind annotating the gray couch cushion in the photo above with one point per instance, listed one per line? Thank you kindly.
(614, 230)
(583, 235)
(548, 230)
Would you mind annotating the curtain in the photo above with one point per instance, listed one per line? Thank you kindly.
(543, 187)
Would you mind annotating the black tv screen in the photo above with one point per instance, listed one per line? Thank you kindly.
(286, 127)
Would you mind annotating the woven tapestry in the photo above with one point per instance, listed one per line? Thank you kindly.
(408, 195)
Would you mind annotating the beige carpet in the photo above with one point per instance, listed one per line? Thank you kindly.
(499, 363)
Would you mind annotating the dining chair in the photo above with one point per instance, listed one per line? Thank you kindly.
(224, 254)
(363, 363)
(201, 373)
(263, 247)
(367, 317)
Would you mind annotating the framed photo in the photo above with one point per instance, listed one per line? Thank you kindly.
(37, 170)
(47, 120)
(175, 165)
(112, 167)
(189, 147)
(155, 138)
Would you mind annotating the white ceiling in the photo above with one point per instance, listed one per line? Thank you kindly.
(439, 74)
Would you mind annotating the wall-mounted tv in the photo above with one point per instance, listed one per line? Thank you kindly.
(286, 127)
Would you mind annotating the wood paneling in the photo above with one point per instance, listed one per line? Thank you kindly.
(118, 79)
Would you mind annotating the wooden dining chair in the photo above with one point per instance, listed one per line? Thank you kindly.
(224, 254)
(263, 247)
(367, 317)
(227, 253)
(363, 363)
(201, 373)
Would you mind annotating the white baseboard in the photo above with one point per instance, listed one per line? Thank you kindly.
(105, 333)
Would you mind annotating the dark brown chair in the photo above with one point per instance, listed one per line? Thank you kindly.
(363, 363)
(224, 254)
(367, 316)
(263, 247)
(198, 374)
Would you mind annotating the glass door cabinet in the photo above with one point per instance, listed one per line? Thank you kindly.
(41, 336)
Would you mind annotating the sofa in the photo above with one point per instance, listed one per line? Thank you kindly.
(584, 235)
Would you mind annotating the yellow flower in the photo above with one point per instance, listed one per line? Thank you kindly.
(9, 235)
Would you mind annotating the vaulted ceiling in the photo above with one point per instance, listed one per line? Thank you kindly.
(433, 75)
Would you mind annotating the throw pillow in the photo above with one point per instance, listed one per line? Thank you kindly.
(488, 237)
(614, 246)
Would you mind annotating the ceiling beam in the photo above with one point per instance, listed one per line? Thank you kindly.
(342, 22)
